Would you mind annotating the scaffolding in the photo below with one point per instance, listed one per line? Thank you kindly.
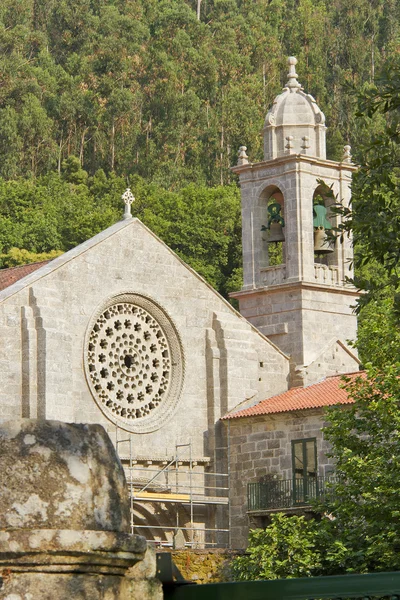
(188, 486)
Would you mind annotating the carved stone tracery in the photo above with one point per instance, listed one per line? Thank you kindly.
(134, 362)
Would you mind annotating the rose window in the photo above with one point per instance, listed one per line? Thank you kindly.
(133, 361)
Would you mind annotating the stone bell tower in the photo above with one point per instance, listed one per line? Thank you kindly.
(295, 287)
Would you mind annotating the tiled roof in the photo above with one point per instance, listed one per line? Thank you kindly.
(13, 274)
(317, 395)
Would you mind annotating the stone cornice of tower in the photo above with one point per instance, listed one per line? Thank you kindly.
(294, 158)
(349, 290)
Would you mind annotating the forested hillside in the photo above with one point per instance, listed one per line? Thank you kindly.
(159, 94)
(145, 87)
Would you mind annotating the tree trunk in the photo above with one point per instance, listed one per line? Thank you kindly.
(81, 151)
(148, 131)
(198, 9)
(112, 145)
(373, 57)
(60, 154)
(264, 85)
(221, 156)
(228, 154)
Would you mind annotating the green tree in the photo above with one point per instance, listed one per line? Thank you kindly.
(56, 212)
(17, 256)
(201, 224)
(365, 502)
(285, 549)
(10, 143)
(374, 216)
(148, 88)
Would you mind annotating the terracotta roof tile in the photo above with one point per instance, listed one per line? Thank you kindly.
(13, 274)
(317, 395)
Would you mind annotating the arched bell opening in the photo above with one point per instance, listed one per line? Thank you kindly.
(273, 227)
(324, 222)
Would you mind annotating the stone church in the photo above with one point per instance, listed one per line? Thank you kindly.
(120, 331)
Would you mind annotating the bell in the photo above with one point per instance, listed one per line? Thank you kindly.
(322, 245)
(275, 233)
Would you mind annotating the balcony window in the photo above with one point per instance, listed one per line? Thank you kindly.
(304, 463)
(296, 493)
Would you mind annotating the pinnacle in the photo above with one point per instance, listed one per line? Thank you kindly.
(292, 75)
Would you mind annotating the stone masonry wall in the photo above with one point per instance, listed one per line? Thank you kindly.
(296, 178)
(64, 517)
(302, 321)
(261, 446)
(301, 304)
(205, 566)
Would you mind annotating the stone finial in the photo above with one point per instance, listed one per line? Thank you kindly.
(289, 144)
(292, 75)
(294, 113)
(128, 198)
(305, 143)
(346, 154)
(243, 159)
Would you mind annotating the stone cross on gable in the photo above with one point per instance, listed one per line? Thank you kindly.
(128, 198)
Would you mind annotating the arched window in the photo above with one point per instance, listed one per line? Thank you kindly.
(324, 244)
(273, 227)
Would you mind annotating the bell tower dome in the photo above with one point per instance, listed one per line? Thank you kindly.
(295, 287)
(294, 124)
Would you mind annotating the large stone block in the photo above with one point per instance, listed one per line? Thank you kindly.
(68, 476)
(64, 514)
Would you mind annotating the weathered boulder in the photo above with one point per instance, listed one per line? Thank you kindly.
(60, 476)
(64, 514)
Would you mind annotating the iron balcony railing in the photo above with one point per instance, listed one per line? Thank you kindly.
(287, 493)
